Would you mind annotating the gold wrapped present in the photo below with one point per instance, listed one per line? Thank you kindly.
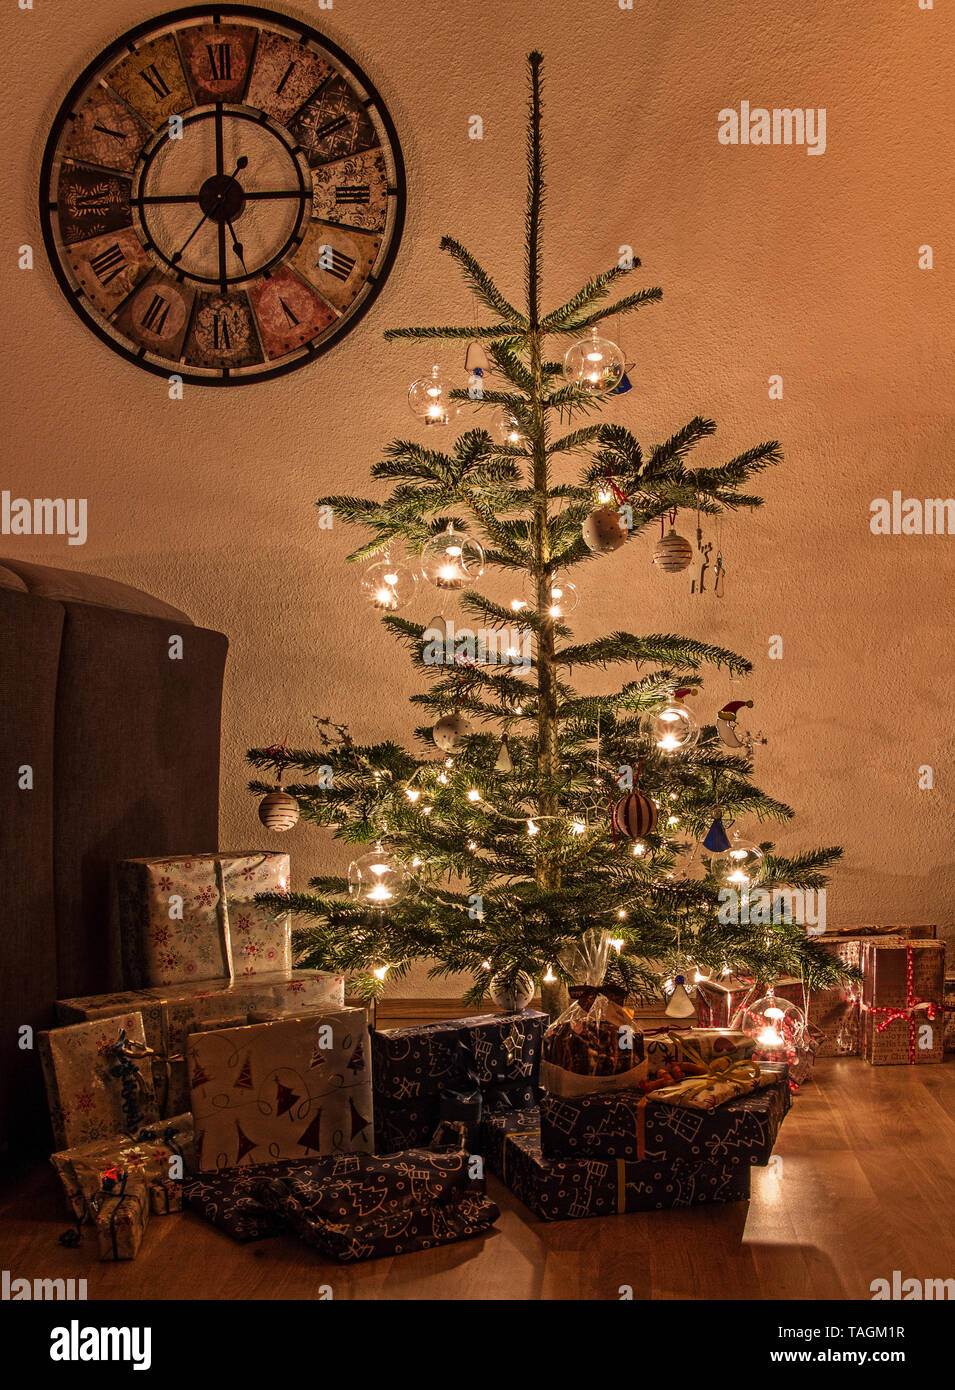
(99, 1078)
(122, 1212)
(158, 1152)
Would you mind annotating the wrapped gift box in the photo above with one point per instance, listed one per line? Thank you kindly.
(632, 1126)
(361, 1208)
(227, 1197)
(560, 1189)
(194, 917)
(81, 1169)
(122, 1214)
(170, 1015)
(288, 1089)
(165, 1197)
(903, 990)
(497, 1054)
(99, 1078)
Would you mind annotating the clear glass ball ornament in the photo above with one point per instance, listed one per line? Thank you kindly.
(428, 399)
(563, 595)
(508, 429)
(673, 728)
(594, 364)
(777, 1026)
(740, 866)
(376, 879)
(389, 585)
(452, 560)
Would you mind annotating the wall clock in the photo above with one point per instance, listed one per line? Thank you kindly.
(222, 194)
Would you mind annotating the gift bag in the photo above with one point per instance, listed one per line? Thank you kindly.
(593, 1045)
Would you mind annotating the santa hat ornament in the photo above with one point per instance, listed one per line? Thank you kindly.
(726, 723)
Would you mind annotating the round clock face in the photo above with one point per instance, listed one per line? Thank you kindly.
(222, 194)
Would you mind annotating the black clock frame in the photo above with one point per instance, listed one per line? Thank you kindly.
(125, 43)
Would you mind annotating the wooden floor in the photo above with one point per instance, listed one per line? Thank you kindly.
(862, 1183)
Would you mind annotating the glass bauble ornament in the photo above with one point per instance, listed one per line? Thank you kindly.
(509, 429)
(673, 728)
(428, 399)
(452, 560)
(564, 598)
(672, 552)
(278, 811)
(514, 996)
(777, 1026)
(389, 585)
(594, 364)
(376, 879)
(740, 866)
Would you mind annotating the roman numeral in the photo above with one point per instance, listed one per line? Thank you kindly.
(154, 318)
(108, 264)
(337, 264)
(220, 61)
(221, 338)
(105, 130)
(288, 73)
(289, 313)
(154, 77)
(352, 193)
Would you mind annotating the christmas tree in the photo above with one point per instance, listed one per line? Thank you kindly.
(495, 848)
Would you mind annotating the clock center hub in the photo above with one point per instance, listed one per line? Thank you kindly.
(221, 198)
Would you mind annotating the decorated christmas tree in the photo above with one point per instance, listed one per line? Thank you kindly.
(532, 823)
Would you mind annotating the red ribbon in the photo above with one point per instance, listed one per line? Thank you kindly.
(894, 1012)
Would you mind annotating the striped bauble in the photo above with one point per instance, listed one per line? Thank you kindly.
(672, 552)
(634, 815)
(278, 811)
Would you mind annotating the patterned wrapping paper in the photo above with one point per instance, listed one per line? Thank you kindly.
(356, 1208)
(194, 917)
(228, 1197)
(169, 1016)
(294, 1088)
(628, 1125)
(902, 1002)
(559, 1189)
(714, 1042)
(121, 1218)
(94, 1089)
(81, 1169)
(498, 1054)
(165, 1198)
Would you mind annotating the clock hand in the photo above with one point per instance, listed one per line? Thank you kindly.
(237, 247)
(220, 158)
(176, 256)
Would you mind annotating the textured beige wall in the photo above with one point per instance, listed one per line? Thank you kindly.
(771, 261)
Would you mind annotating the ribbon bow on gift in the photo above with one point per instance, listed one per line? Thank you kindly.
(123, 1066)
(742, 1076)
(906, 1011)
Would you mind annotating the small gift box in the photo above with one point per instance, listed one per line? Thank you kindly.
(630, 1125)
(99, 1078)
(122, 1212)
(170, 1015)
(902, 1002)
(165, 1197)
(159, 1151)
(194, 917)
(708, 1044)
(497, 1055)
(721, 1080)
(288, 1089)
(593, 1045)
(560, 1189)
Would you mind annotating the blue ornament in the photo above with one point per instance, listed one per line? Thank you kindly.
(716, 839)
(623, 386)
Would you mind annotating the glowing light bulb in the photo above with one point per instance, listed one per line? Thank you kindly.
(621, 913)
(579, 828)
(639, 849)
(380, 972)
(517, 605)
(485, 965)
(550, 978)
(474, 794)
(412, 793)
(769, 1037)
(698, 977)
(532, 829)
(617, 943)
(380, 894)
(673, 820)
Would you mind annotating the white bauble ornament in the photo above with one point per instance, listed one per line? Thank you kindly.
(449, 731)
(672, 552)
(512, 998)
(605, 530)
(278, 811)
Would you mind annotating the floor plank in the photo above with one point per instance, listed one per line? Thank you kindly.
(862, 1183)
